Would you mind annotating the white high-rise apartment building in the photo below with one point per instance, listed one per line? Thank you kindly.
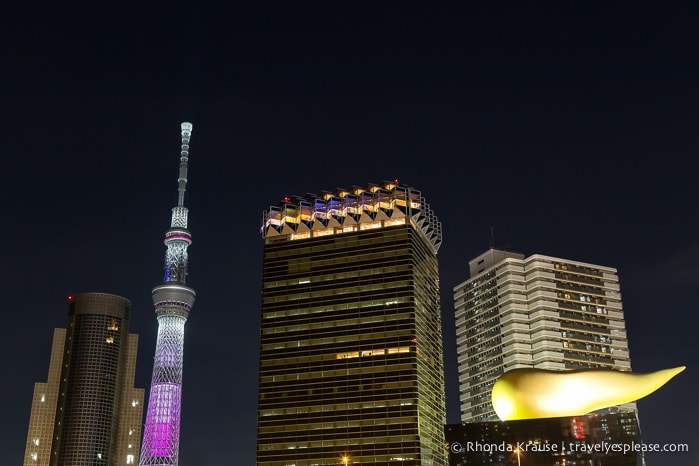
(537, 311)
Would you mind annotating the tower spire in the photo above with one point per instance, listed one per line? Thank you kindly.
(173, 301)
(184, 158)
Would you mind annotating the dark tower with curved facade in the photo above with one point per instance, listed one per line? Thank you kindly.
(88, 412)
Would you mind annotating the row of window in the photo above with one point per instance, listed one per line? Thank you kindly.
(339, 288)
(352, 319)
(320, 277)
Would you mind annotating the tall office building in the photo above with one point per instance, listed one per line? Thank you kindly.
(173, 300)
(88, 412)
(351, 367)
(537, 311)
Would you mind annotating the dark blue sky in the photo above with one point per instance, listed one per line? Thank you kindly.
(569, 128)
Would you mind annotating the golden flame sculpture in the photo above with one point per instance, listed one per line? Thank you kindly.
(539, 393)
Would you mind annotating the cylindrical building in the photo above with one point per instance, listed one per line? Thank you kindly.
(90, 414)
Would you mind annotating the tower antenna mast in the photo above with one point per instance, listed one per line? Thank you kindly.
(173, 301)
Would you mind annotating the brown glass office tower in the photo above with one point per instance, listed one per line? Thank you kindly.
(88, 412)
(351, 340)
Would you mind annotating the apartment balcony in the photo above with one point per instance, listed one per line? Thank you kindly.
(542, 356)
(510, 307)
(540, 274)
(547, 296)
(550, 345)
(621, 354)
(516, 315)
(463, 378)
(517, 360)
(515, 328)
(545, 335)
(545, 313)
(611, 281)
(510, 268)
(515, 347)
(512, 288)
(551, 366)
(617, 325)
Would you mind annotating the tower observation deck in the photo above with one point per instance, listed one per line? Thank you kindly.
(172, 300)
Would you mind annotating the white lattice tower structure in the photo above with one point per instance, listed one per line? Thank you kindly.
(172, 300)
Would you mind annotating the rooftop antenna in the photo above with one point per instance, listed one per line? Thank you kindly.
(184, 158)
(173, 300)
(492, 237)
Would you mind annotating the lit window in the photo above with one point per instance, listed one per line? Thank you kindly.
(129, 459)
(43, 397)
(134, 403)
(110, 340)
(36, 441)
(35, 456)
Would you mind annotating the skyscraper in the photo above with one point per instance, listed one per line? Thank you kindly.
(88, 412)
(172, 300)
(351, 364)
(538, 311)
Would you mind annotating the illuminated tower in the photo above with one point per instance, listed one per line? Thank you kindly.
(351, 336)
(172, 300)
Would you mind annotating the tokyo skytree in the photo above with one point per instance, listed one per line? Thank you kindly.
(172, 301)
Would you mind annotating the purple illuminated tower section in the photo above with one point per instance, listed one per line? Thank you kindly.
(172, 300)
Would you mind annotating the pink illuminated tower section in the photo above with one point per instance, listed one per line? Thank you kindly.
(172, 300)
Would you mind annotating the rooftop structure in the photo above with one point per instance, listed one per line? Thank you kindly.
(351, 210)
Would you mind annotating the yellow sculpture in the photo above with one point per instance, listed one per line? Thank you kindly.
(538, 393)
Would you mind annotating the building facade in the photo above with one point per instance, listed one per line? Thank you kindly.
(173, 300)
(88, 412)
(351, 368)
(538, 311)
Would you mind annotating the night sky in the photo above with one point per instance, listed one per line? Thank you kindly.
(566, 129)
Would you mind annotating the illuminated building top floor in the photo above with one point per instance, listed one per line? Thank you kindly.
(349, 210)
